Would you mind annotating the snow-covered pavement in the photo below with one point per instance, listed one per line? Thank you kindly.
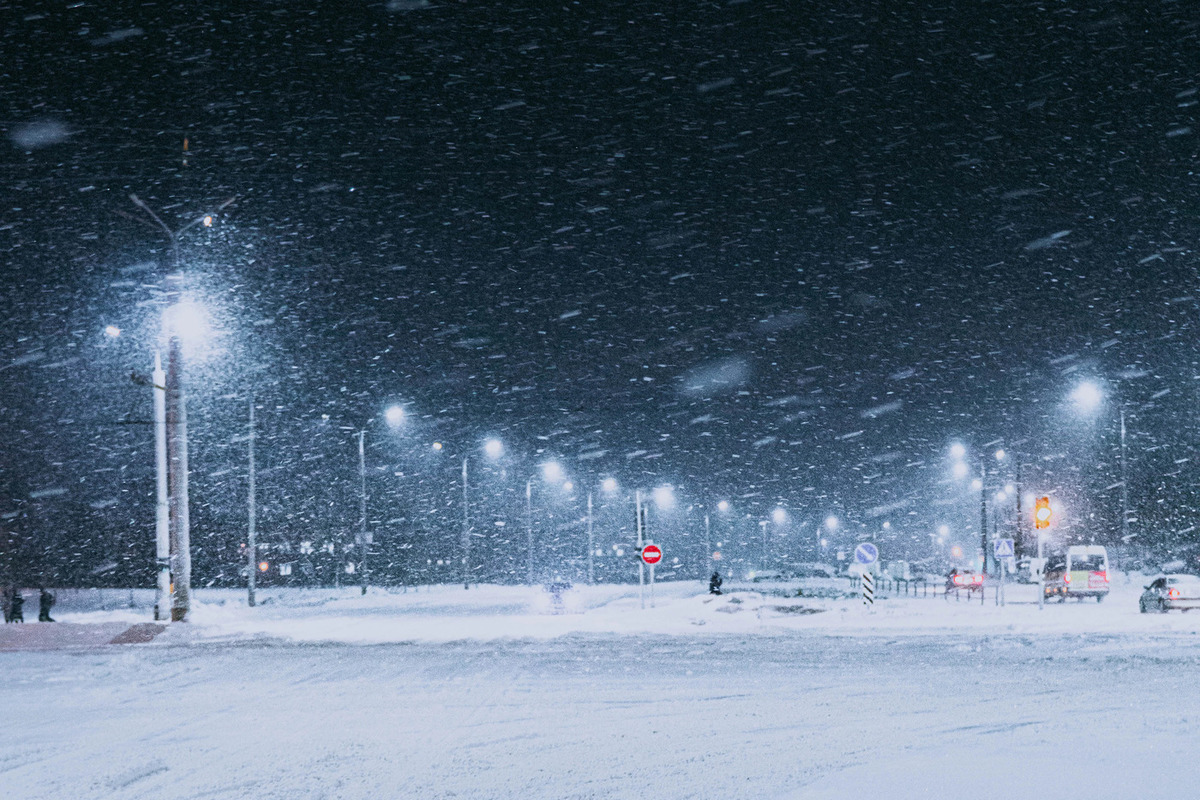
(753, 703)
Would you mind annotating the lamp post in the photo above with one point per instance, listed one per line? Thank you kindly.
(251, 512)
(494, 449)
(1088, 397)
(175, 425)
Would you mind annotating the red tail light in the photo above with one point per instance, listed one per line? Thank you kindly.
(958, 580)
(976, 579)
(1172, 593)
(1105, 574)
(1067, 578)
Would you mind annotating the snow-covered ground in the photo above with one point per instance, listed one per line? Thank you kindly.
(448, 613)
(489, 694)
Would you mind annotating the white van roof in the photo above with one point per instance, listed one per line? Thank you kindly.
(1087, 550)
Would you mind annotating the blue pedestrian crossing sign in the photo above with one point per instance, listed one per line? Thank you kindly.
(866, 553)
(1003, 548)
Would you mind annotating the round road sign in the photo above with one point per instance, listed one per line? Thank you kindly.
(866, 553)
(652, 554)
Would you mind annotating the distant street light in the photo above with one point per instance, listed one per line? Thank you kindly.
(394, 416)
(664, 497)
(723, 506)
(112, 331)
(609, 485)
(1087, 396)
(779, 515)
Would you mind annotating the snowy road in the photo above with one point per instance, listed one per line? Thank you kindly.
(608, 716)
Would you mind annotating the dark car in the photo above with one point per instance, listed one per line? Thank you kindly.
(1171, 591)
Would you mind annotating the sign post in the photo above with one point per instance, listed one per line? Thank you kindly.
(867, 554)
(651, 555)
(1004, 552)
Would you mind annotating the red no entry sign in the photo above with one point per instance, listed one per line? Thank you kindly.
(652, 554)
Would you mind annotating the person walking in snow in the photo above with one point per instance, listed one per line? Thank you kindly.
(714, 583)
(17, 603)
(6, 603)
(45, 601)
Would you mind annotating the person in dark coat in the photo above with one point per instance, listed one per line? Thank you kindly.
(6, 603)
(45, 601)
(17, 604)
(714, 583)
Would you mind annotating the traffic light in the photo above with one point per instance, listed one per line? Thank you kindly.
(1042, 513)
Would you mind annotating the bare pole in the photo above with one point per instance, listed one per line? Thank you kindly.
(983, 536)
(162, 512)
(637, 502)
(1124, 487)
(1020, 543)
(591, 543)
(466, 530)
(362, 511)
(251, 512)
(529, 532)
(706, 562)
(177, 481)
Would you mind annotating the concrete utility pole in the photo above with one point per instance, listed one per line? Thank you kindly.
(177, 482)
(162, 511)
(251, 511)
(362, 511)
(466, 531)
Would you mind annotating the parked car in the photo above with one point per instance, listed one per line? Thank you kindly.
(1171, 591)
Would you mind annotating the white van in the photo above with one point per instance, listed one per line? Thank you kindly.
(1081, 572)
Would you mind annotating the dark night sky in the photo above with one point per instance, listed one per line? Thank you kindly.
(773, 251)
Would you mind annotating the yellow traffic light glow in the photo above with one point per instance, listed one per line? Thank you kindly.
(1042, 513)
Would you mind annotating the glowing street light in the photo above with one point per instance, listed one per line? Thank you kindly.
(780, 515)
(609, 485)
(494, 448)
(961, 470)
(552, 471)
(723, 506)
(112, 331)
(664, 497)
(1087, 396)
(394, 416)
(831, 522)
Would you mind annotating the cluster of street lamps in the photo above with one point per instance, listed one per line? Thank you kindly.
(1087, 398)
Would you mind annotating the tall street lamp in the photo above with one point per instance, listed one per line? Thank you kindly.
(494, 449)
(175, 425)
(1088, 397)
